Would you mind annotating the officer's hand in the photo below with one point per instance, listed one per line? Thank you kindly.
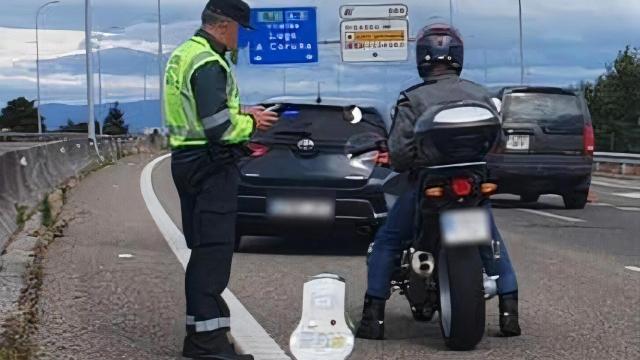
(264, 119)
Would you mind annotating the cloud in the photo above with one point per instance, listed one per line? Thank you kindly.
(565, 42)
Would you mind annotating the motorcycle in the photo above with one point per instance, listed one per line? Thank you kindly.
(441, 270)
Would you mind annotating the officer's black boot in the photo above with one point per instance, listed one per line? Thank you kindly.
(372, 324)
(509, 315)
(210, 345)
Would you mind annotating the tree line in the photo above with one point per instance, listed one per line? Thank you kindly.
(21, 115)
(614, 102)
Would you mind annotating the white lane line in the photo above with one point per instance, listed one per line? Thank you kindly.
(249, 337)
(623, 208)
(550, 215)
(634, 195)
(632, 268)
(615, 186)
(601, 204)
(628, 208)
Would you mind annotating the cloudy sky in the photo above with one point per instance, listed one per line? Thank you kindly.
(565, 42)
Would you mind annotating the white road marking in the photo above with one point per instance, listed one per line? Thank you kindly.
(550, 215)
(125, 256)
(612, 185)
(628, 208)
(634, 195)
(249, 337)
(601, 204)
(632, 268)
(623, 208)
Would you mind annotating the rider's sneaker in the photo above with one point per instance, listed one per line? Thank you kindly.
(509, 315)
(372, 324)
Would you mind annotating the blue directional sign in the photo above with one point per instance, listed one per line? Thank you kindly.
(282, 36)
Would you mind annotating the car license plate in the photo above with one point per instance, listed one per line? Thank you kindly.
(301, 208)
(466, 227)
(518, 142)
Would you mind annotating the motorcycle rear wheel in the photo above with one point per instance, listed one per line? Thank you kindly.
(462, 304)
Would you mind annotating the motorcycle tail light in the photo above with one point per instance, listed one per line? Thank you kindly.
(434, 192)
(257, 149)
(488, 189)
(461, 186)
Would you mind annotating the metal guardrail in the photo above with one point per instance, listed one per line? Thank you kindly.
(55, 136)
(617, 158)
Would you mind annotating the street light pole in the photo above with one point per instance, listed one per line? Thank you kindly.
(451, 12)
(38, 60)
(89, 63)
(161, 67)
(99, 51)
(521, 44)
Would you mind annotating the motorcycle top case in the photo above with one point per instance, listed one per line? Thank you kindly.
(457, 132)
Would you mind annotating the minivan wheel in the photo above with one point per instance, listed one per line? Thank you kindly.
(529, 198)
(576, 200)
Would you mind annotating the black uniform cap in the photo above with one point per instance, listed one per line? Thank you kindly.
(237, 10)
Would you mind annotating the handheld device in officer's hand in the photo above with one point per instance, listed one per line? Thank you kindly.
(324, 331)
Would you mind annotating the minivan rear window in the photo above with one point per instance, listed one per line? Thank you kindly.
(552, 110)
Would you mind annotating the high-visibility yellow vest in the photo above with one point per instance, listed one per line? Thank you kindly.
(185, 126)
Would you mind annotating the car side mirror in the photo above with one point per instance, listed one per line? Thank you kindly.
(498, 104)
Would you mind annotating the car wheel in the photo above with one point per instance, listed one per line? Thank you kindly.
(576, 200)
(529, 198)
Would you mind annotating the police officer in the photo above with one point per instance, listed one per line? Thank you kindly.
(440, 55)
(208, 128)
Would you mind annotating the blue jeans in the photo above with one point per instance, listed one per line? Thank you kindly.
(399, 230)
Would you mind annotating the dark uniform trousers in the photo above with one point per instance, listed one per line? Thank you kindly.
(208, 191)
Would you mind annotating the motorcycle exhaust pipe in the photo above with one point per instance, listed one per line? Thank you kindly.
(423, 264)
(490, 286)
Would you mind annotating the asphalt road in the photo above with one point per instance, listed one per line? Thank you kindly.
(578, 299)
(112, 288)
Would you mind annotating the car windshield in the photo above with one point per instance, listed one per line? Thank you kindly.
(552, 110)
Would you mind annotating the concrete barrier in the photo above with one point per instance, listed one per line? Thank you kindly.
(28, 170)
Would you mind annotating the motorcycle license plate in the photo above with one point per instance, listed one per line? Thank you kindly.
(466, 227)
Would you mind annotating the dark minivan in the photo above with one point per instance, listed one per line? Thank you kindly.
(549, 145)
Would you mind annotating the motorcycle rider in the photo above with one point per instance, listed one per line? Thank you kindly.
(440, 55)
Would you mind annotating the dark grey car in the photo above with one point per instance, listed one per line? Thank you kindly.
(549, 145)
(299, 178)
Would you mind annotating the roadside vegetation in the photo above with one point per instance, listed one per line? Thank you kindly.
(614, 102)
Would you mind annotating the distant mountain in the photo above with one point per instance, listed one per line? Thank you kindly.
(116, 61)
(139, 114)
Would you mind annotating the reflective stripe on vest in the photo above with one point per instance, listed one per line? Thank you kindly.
(185, 126)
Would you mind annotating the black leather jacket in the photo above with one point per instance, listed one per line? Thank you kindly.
(414, 101)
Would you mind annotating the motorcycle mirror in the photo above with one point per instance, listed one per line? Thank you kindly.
(324, 331)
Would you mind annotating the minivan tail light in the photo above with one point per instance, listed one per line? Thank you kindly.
(589, 140)
(461, 186)
(258, 150)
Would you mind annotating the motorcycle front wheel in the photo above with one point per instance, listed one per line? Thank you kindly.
(462, 304)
